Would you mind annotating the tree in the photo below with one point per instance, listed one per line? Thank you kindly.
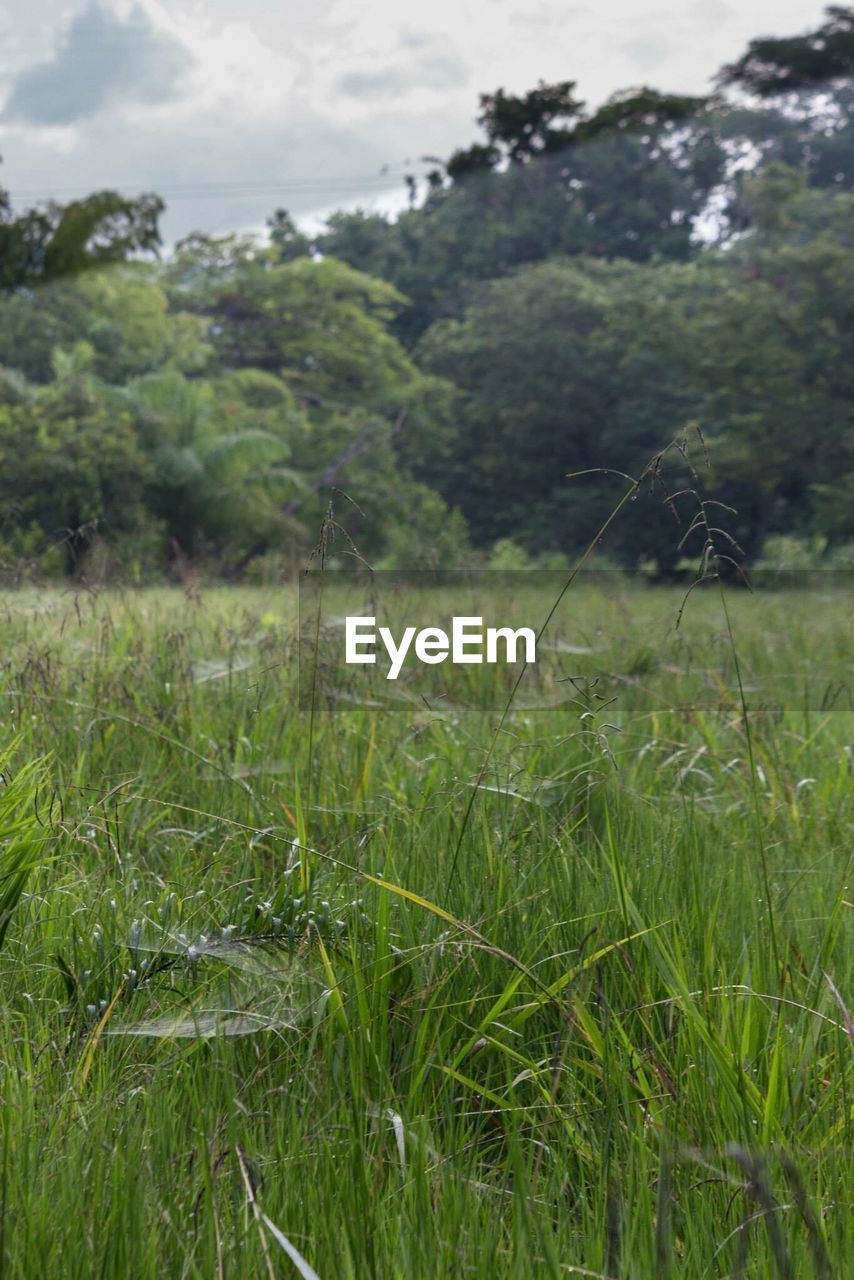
(71, 465)
(323, 329)
(290, 242)
(519, 128)
(322, 324)
(777, 410)
(773, 66)
(563, 367)
(122, 312)
(631, 180)
(805, 85)
(584, 365)
(217, 452)
(58, 240)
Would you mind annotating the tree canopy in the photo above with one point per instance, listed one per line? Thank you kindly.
(773, 65)
(58, 240)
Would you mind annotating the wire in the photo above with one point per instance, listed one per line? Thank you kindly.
(246, 188)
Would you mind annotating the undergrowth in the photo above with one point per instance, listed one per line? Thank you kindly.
(429, 999)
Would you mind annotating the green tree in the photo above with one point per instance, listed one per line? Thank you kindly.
(773, 354)
(323, 328)
(581, 365)
(71, 465)
(217, 453)
(57, 240)
(519, 128)
(122, 312)
(804, 87)
(776, 65)
(323, 325)
(630, 180)
(563, 367)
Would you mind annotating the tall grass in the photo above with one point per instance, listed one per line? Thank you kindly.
(22, 836)
(253, 1025)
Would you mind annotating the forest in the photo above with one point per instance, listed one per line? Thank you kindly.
(583, 292)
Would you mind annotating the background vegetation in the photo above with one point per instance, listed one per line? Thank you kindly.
(573, 293)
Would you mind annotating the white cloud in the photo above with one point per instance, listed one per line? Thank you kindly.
(262, 110)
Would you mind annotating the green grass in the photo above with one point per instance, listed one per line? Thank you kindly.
(254, 1020)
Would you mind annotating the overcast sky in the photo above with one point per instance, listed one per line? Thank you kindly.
(231, 108)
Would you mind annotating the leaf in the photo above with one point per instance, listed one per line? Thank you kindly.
(22, 838)
(304, 1268)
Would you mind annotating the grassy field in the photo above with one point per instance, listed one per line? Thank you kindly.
(406, 990)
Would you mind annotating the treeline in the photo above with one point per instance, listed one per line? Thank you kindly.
(205, 412)
(574, 293)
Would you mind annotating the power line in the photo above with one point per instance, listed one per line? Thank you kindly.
(242, 188)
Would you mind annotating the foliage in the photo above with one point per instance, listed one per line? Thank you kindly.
(774, 66)
(323, 324)
(778, 413)
(571, 367)
(218, 450)
(207, 413)
(323, 328)
(242, 393)
(629, 181)
(519, 128)
(243, 979)
(22, 837)
(81, 468)
(578, 290)
(123, 313)
(60, 240)
(646, 175)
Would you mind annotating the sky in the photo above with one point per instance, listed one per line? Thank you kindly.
(233, 108)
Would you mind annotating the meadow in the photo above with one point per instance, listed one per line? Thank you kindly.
(415, 988)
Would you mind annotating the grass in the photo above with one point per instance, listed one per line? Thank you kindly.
(251, 1024)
